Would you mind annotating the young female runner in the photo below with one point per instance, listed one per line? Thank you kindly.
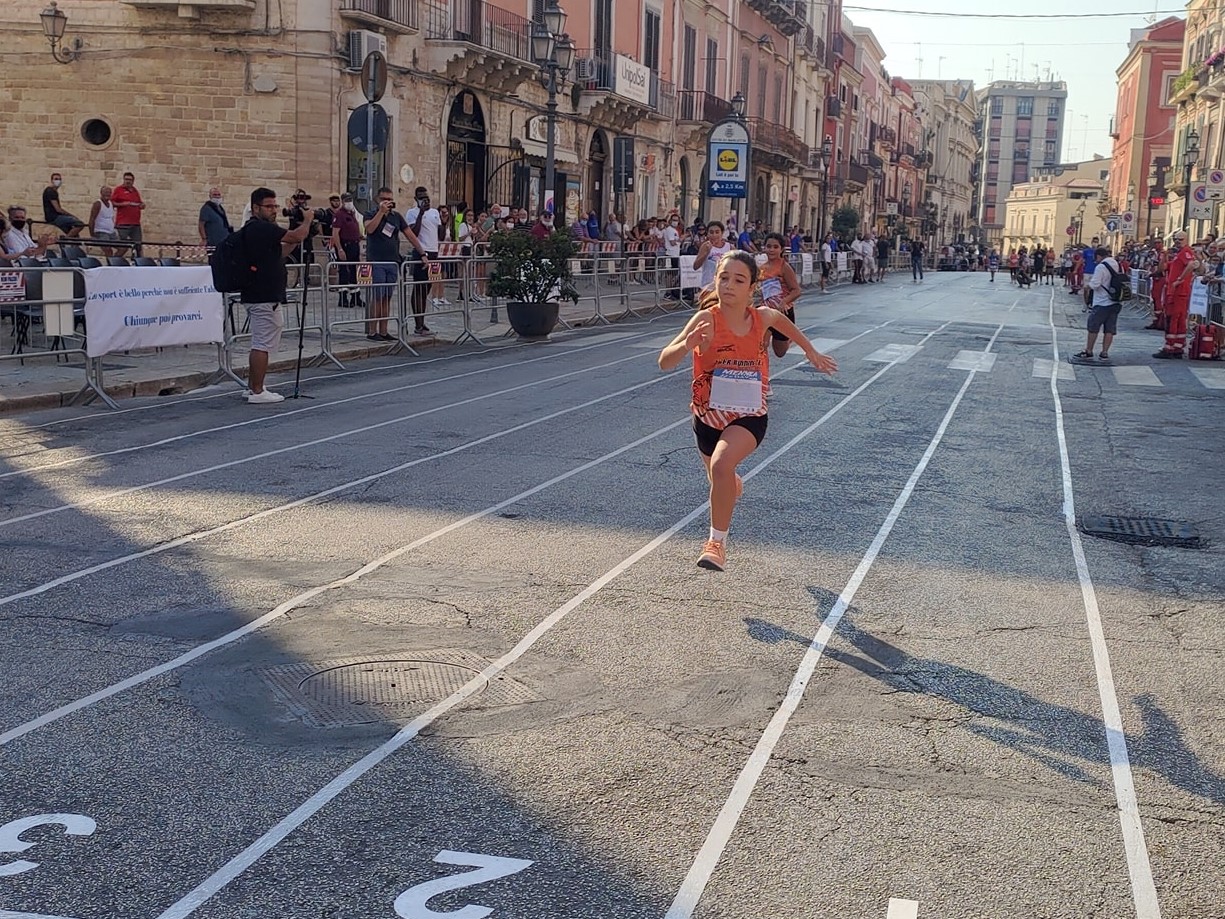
(780, 288)
(731, 370)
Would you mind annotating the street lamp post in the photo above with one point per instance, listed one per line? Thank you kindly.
(740, 105)
(553, 52)
(906, 190)
(826, 155)
(54, 23)
(1190, 154)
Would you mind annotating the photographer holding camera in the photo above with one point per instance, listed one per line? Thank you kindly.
(299, 212)
(384, 226)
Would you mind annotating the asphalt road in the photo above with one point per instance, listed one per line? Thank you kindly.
(433, 643)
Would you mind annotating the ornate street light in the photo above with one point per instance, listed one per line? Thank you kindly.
(553, 51)
(54, 23)
(740, 105)
(825, 159)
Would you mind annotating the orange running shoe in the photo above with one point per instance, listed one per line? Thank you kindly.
(713, 556)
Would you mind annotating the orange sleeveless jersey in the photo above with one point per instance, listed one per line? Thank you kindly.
(770, 271)
(729, 352)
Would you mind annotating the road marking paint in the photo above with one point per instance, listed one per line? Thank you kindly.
(412, 904)
(11, 841)
(894, 354)
(978, 361)
(1211, 377)
(1135, 376)
(9, 914)
(902, 909)
(827, 344)
(1140, 870)
(1043, 365)
(720, 834)
(320, 799)
(263, 419)
(604, 339)
(293, 448)
(232, 636)
(1014, 304)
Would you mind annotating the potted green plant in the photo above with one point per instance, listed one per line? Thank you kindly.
(533, 276)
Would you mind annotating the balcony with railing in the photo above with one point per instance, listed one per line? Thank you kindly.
(479, 23)
(857, 174)
(595, 75)
(700, 106)
(788, 16)
(775, 140)
(887, 137)
(397, 15)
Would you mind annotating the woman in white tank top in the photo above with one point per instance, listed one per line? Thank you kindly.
(711, 251)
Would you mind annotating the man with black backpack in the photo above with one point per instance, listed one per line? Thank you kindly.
(252, 261)
(1107, 286)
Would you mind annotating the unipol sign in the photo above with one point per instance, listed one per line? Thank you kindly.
(633, 80)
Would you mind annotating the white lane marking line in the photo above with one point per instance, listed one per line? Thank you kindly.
(263, 419)
(1014, 304)
(1042, 368)
(1136, 376)
(293, 448)
(320, 799)
(1140, 869)
(9, 914)
(902, 909)
(603, 339)
(230, 637)
(1211, 377)
(978, 361)
(893, 353)
(827, 344)
(720, 834)
(298, 502)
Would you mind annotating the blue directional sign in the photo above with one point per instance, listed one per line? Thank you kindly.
(725, 189)
(727, 160)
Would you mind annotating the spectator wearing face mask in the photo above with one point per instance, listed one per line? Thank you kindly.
(54, 213)
(214, 224)
(347, 243)
(17, 240)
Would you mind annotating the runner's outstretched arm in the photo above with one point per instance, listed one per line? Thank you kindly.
(776, 320)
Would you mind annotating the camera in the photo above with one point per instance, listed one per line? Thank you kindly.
(322, 213)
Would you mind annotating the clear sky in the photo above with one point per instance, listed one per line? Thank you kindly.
(1080, 51)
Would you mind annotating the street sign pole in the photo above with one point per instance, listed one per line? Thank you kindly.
(374, 84)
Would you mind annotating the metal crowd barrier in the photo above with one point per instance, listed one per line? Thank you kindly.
(613, 283)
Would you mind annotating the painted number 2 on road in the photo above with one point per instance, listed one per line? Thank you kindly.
(412, 903)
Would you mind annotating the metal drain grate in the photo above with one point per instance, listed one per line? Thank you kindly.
(368, 690)
(1144, 531)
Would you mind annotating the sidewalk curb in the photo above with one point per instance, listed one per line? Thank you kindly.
(181, 383)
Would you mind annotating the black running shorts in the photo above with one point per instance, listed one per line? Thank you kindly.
(708, 437)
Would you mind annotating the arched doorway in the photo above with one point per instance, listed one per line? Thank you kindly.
(597, 160)
(686, 191)
(467, 160)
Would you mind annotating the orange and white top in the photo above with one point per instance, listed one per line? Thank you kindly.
(732, 376)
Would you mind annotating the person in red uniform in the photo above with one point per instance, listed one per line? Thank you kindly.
(1157, 279)
(1182, 263)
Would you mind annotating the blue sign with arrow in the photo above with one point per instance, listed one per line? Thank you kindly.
(721, 188)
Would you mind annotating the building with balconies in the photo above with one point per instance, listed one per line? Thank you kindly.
(1142, 127)
(948, 113)
(1022, 132)
(1197, 92)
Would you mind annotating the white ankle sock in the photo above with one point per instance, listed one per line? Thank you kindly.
(718, 535)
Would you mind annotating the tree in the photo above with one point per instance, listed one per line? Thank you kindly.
(845, 222)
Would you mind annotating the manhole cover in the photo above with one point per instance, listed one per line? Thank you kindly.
(1145, 531)
(366, 690)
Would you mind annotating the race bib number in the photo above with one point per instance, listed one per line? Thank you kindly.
(771, 289)
(736, 391)
(388, 230)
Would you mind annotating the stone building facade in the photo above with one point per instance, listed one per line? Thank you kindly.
(1069, 196)
(947, 107)
(240, 93)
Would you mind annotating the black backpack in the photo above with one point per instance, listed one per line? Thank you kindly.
(1119, 288)
(230, 264)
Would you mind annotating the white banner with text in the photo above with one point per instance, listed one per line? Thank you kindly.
(128, 308)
